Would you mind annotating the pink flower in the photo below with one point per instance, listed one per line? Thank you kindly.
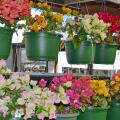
(63, 80)
(3, 62)
(69, 76)
(42, 83)
(56, 80)
(24, 94)
(2, 80)
(53, 87)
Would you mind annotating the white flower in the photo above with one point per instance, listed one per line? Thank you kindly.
(21, 101)
(12, 87)
(33, 83)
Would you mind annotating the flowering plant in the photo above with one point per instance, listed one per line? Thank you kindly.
(21, 97)
(45, 21)
(86, 26)
(11, 11)
(101, 96)
(75, 90)
(115, 87)
(114, 29)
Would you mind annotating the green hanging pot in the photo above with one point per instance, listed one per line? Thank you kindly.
(105, 54)
(114, 111)
(67, 116)
(83, 54)
(93, 114)
(42, 45)
(5, 42)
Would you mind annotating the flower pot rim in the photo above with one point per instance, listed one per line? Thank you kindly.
(91, 108)
(115, 104)
(42, 32)
(105, 44)
(68, 114)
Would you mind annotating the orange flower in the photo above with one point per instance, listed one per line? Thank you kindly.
(67, 11)
(35, 27)
(58, 17)
(43, 24)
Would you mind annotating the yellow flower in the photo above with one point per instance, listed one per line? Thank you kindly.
(67, 11)
(112, 83)
(40, 19)
(31, 3)
(43, 24)
(100, 91)
(116, 88)
(44, 6)
(58, 17)
(35, 27)
(117, 79)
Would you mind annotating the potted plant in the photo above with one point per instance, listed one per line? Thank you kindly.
(106, 49)
(42, 41)
(114, 111)
(11, 12)
(82, 34)
(97, 110)
(77, 92)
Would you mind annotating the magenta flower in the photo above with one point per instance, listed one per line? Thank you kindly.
(53, 87)
(56, 80)
(42, 83)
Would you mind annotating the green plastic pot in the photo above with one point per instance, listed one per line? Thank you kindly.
(67, 116)
(105, 54)
(5, 42)
(114, 112)
(93, 114)
(42, 45)
(83, 54)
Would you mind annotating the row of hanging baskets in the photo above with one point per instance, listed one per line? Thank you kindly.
(87, 53)
(45, 46)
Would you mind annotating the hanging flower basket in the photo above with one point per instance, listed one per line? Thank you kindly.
(42, 45)
(83, 54)
(5, 40)
(105, 54)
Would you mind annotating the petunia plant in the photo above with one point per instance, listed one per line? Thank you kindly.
(76, 90)
(12, 11)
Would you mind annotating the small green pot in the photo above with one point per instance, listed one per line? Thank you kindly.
(42, 45)
(105, 54)
(83, 54)
(67, 116)
(5, 42)
(114, 112)
(93, 114)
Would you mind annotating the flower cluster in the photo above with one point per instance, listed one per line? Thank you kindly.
(45, 21)
(12, 10)
(101, 96)
(22, 97)
(112, 19)
(38, 102)
(11, 85)
(114, 27)
(77, 90)
(115, 87)
(84, 26)
(67, 11)
(95, 27)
